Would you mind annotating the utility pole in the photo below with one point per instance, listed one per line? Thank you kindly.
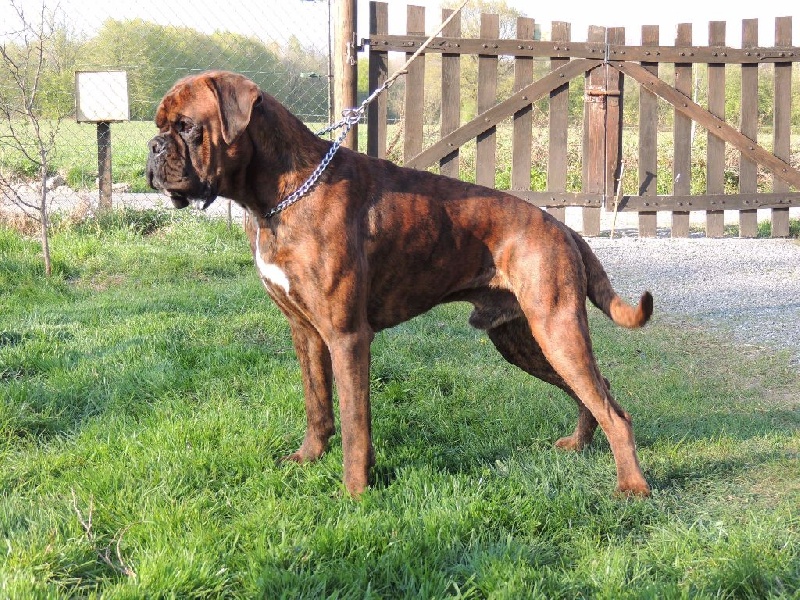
(345, 65)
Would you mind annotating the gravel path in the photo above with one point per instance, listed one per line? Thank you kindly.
(750, 288)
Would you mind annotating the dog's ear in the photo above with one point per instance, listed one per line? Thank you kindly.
(236, 96)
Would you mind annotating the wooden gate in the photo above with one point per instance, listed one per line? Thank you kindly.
(607, 67)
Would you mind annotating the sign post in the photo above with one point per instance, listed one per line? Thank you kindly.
(102, 97)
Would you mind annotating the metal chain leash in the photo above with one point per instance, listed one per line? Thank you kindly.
(350, 117)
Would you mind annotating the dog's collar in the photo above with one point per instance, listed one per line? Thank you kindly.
(308, 183)
(351, 117)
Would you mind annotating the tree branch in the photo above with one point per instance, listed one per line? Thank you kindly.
(105, 554)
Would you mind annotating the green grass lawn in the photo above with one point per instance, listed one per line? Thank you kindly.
(150, 386)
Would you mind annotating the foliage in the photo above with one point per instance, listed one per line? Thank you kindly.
(155, 56)
(148, 390)
(26, 130)
(47, 33)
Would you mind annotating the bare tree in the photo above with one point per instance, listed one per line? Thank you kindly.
(24, 130)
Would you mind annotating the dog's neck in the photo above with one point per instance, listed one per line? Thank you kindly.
(286, 153)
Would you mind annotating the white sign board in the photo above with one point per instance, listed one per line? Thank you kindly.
(101, 96)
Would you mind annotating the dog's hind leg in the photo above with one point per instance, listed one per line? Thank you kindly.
(515, 342)
(560, 326)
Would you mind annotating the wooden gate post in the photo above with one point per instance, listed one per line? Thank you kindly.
(715, 161)
(559, 125)
(377, 111)
(415, 88)
(782, 121)
(602, 144)
(345, 65)
(648, 139)
(594, 136)
(451, 95)
(614, 103)
(682, 136)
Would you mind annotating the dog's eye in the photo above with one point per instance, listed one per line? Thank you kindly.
(184, 126)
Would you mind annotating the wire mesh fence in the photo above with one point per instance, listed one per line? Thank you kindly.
(283, 45)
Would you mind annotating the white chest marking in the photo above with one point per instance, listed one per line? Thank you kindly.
(269, 271)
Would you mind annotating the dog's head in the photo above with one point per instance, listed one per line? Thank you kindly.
(202, 149)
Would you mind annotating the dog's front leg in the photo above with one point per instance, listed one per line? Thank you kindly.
(351, 355)
(315, 365)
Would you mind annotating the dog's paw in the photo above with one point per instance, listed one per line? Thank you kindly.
(639, 490)
(571, 443)
(306, 453)
(355, 485)
(294, 457)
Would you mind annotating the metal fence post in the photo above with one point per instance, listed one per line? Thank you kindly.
(104, 164)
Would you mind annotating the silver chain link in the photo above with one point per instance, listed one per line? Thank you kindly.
(351, 116)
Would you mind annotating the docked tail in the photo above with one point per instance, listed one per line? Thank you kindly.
(603, 296)
(626, 315)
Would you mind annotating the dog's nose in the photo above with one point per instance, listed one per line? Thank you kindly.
(157, 145)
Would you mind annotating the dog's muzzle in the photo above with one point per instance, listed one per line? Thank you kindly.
(157, 163)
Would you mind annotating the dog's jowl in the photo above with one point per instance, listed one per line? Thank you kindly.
(372, 245)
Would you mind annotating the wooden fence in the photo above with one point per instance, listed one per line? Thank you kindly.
(606, 66)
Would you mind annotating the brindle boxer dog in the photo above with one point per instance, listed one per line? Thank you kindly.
(372, 245)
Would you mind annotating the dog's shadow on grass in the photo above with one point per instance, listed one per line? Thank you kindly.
(383, 476)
